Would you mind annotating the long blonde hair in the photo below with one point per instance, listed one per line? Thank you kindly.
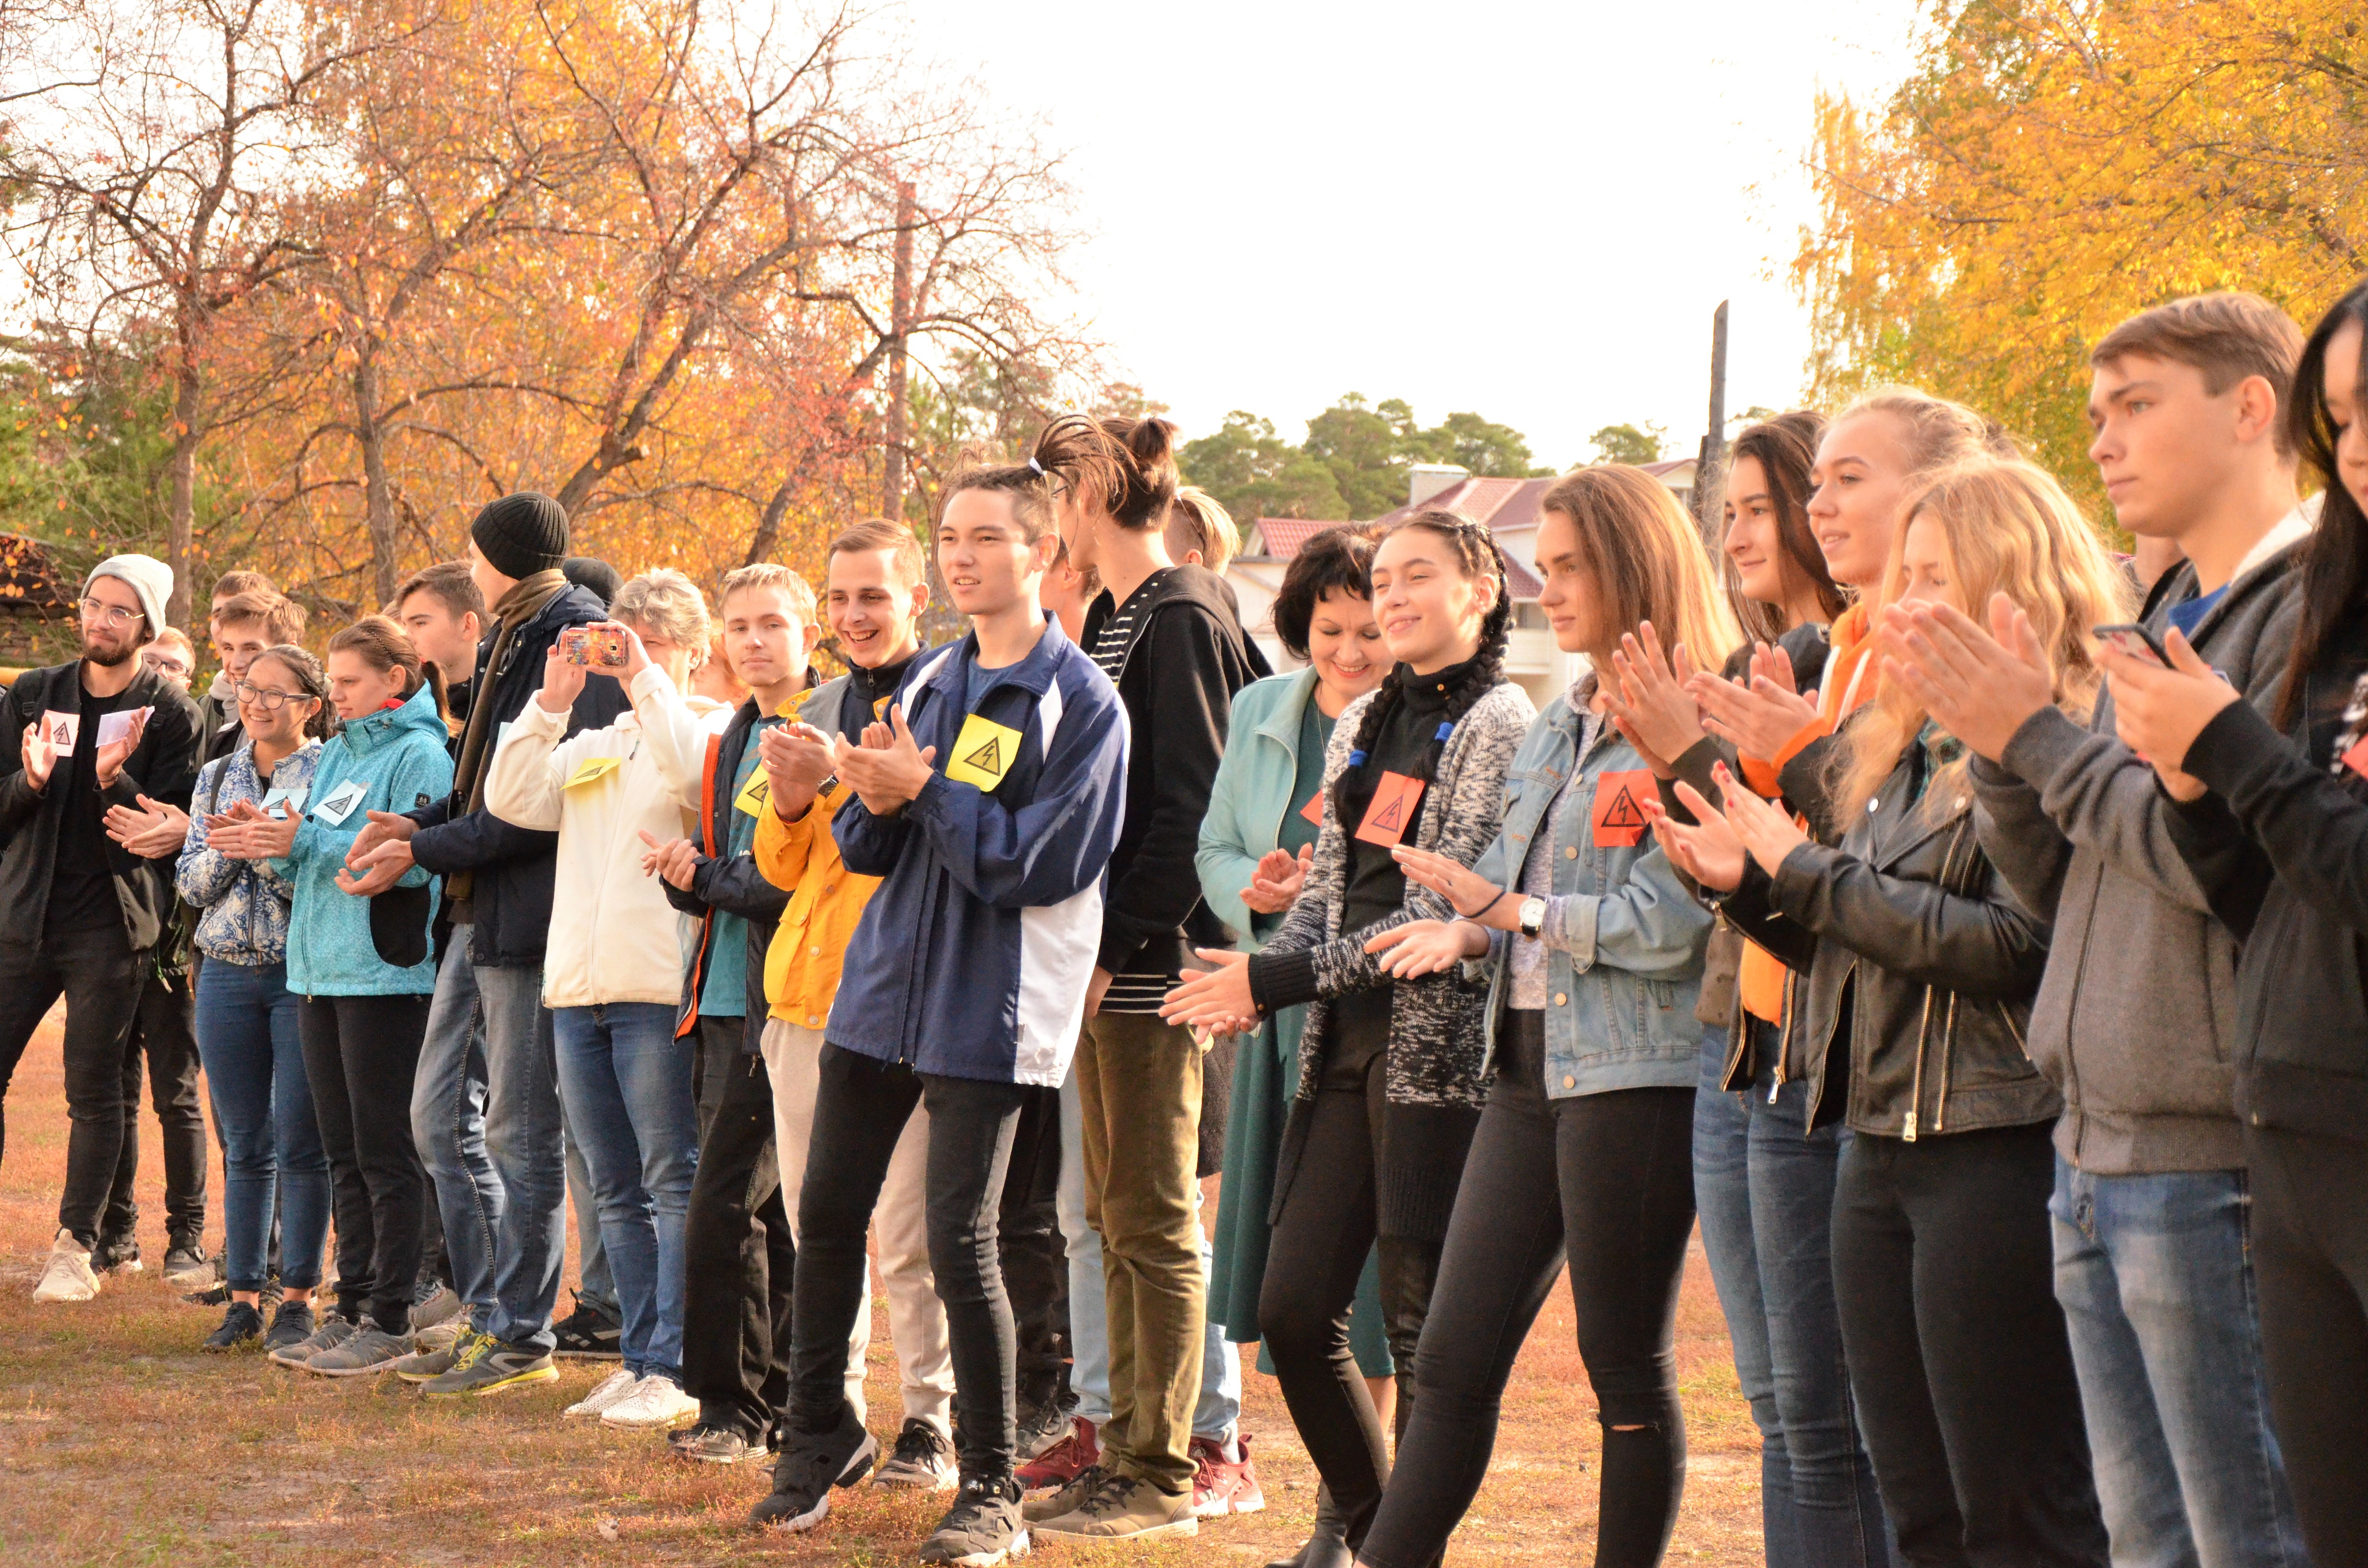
(1646, 559)
(2010, 528)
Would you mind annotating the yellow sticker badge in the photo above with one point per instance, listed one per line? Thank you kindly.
(984, 752)
(756, 793)
(592, 768)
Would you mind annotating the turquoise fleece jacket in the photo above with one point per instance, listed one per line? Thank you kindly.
(398, 759)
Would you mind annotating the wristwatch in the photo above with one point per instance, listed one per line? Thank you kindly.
(1534, 917)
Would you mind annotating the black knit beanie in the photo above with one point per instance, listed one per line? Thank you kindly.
(522, 534)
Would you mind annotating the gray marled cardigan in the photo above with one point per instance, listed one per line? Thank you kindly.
(1438, 1048)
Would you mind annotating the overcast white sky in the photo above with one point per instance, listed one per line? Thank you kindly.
(1527, 209)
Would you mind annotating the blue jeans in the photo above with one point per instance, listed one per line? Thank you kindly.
(2157, 1285)
(263, 1104)
(484, 1112)
(626, 1083)
(1765, 1195)
(1220, 1405)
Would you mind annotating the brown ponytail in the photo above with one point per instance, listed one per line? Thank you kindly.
(1125, 467)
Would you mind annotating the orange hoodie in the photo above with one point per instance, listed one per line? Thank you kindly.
(1846, 689)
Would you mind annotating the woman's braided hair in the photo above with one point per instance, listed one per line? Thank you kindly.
(1477, 552)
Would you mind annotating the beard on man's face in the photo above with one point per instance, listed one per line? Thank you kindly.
(107, 649)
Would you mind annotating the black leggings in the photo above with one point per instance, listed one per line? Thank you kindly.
(360, 1054)
(1621, 1165)
(1944, 1274)
(1314, 1261)
(2310, 1256)
(861, 1106)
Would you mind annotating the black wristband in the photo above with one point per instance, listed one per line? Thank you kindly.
(1485, 908)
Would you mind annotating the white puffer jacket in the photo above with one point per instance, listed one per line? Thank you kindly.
(613, 936)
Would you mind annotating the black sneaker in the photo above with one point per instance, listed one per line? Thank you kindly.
(924, 1459)
(983, 1529)
(703, 1444)
(1040, 1427)
(241, 1326)
(808, 1468)
(292, 1324)
(589, 1333)
(215, 1295)
(185, 1265)
(114, 1253)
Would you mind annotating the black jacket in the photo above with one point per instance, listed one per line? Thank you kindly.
(1718, 1002)
(731, 883)
(2281, 848)
(511, 868)
(1186, 657)
(1911, 938)
(162, 767)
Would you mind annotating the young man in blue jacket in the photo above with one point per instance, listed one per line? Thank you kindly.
(487, 1120)
(990, 803)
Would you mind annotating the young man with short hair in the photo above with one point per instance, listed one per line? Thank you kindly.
(876, 588)
(173, 657)
(79, 913)
(736, 1238)
(443, 609)
(2133, 1013)
(240, 626)
(498, 1171)
(988, 801)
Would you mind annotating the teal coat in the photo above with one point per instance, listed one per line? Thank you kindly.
(399, 758)
(1257, 782)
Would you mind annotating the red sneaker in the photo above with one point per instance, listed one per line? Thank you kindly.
(1222, 1485)
(1064, 1460)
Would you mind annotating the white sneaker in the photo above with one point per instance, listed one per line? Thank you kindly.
(610, 1390)
(656, 1401)
(68, 1278)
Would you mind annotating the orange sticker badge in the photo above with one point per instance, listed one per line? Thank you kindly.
(2356, 758)
(1314, 809)
(1391, 810)
(1619, 814)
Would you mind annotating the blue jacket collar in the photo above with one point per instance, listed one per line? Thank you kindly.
(1034, 674)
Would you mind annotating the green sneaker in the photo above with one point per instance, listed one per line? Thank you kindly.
(487, 1366)
(432, 1361)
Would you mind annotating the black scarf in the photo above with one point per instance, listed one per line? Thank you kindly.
(859, 704)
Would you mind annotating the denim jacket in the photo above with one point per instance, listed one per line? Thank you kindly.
(1623, 934)
(241, 904)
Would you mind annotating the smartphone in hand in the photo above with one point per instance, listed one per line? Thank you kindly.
(2134, 640)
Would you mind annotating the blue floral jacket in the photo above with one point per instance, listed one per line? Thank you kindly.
(241, 904)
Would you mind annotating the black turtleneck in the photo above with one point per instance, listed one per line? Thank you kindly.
(858, 704)
(1376, 886)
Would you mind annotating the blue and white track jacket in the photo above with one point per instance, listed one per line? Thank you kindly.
(972, 959)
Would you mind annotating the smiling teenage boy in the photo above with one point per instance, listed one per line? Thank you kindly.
(876, 590)
(2133, 1013)
(989, 802)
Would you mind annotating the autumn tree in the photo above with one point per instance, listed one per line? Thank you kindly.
(1629, 443)
(148, 147)
(2049, 168)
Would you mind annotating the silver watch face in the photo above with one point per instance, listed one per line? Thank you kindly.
(1533, 916)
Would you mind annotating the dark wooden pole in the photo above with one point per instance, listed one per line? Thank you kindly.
(891, 470)
(1712, 457)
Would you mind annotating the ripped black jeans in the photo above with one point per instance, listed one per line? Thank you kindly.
(1607, 1179)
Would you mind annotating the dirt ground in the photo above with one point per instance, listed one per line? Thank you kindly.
(121, 1443)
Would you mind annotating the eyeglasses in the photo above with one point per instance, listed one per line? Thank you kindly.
(114, 615)
(170, 666)
(268, 698)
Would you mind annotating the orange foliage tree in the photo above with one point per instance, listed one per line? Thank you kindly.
(2053, 166)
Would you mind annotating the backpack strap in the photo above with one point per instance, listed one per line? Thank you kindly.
(707, 770)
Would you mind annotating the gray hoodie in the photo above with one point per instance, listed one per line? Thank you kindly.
(2135, 1017)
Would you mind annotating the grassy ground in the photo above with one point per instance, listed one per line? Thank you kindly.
(121, 1444)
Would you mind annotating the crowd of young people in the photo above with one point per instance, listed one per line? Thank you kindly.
(1964, 924)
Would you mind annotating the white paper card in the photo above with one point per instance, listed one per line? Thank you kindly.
(338, 804)
(276, 797)
(113, 727)
(59, 729)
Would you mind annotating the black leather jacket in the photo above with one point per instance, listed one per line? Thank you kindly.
(1907, 936)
